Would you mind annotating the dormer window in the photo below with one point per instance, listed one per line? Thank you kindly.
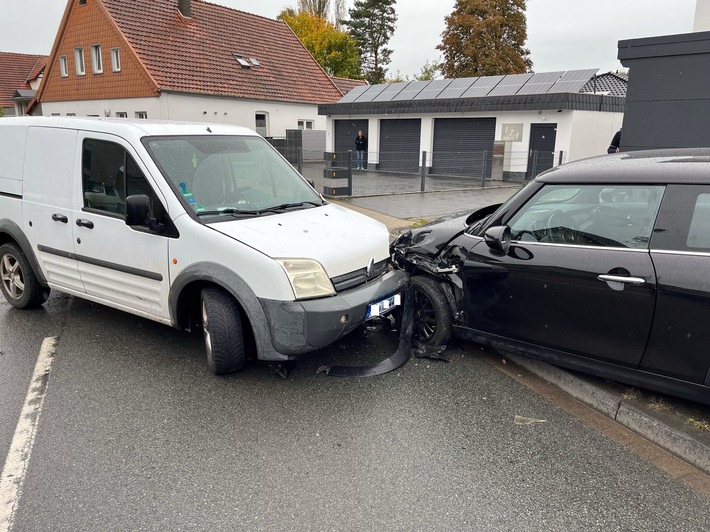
(242, 61)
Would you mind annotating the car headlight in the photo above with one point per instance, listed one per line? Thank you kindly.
(307, 277)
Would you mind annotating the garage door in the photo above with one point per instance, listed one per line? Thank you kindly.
(345, 133)
(463, 146)
(399, 144)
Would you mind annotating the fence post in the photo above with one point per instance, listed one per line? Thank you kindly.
(483, 170)
(422, 173)
(299, 160)
(350, 171)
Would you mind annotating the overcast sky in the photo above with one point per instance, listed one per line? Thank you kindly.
(562, 35)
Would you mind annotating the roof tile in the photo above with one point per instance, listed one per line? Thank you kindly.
(196, 55)
(16, 71)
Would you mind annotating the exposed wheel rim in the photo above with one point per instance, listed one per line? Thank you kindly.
(13, 280)
(424, 317)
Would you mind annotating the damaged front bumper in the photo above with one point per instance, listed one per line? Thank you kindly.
(299, 327)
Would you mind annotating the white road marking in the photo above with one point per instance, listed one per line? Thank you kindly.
(18, 458)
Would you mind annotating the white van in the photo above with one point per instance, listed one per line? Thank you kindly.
(191, 225)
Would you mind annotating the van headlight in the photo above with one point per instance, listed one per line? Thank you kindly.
(307, 277)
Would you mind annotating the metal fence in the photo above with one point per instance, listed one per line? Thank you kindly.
(337, 174)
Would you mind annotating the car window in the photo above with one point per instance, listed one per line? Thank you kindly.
(109, 174)
(699, 232)
(594, 215)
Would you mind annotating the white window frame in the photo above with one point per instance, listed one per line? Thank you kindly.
(63, 66)
(263, 131)
(115, 59)
(79, 60)
(141, 114)
(306, 124)
(121, 114)
(97, 63)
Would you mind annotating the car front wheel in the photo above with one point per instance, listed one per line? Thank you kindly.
(222, 329)
(433, 318)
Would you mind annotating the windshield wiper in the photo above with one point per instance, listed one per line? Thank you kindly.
(286, 206)
(228, 210)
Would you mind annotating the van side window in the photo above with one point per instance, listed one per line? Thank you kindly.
(109, 174)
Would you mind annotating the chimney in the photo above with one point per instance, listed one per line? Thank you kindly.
(184, 8)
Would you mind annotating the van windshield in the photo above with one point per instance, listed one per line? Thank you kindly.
(230, 175)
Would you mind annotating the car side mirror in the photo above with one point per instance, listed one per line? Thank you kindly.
(138, 213)
(498, 238)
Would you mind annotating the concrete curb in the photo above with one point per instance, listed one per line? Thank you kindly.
(615, 407)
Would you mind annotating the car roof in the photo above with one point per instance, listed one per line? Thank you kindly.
(677, 165)
(128, 126)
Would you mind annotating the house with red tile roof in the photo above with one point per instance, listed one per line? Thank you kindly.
(183, 60)
(20, 76)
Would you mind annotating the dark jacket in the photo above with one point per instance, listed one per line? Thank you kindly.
(361, 143)
(615, 143)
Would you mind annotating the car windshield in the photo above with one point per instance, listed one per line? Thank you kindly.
(230, 175)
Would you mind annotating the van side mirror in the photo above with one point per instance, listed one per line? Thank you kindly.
(498, 239)
(138, 213)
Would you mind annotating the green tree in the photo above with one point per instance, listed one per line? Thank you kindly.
(371, 24)
(485, 38)
(334, 49)
(429, 71)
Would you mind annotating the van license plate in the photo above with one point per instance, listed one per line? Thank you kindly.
(382, 307)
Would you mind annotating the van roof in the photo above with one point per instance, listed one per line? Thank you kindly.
(128, 126)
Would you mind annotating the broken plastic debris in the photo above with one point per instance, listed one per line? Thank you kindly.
(520, 420)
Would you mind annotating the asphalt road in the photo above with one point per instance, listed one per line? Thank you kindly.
(135, 434)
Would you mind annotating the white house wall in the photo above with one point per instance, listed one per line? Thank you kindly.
(170, 106)
(592, 132)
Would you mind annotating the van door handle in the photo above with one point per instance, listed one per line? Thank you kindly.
(85, 223)
(60, 218)
(621, 279)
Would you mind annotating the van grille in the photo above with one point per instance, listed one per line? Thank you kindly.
(358, 277)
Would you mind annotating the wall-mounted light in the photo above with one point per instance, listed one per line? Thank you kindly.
(204, 112)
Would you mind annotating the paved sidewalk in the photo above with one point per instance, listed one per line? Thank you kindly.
(680, 427)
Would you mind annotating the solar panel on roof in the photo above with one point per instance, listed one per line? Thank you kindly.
(432, 90)
(540, 83)
(411, 90)
(482, 87)
(372, 91)
(353, 94)
(456, 88)
(390, 92)
(573, 80)
(510, 85)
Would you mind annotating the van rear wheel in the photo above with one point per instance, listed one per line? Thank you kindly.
(222, 329)
(18, 282)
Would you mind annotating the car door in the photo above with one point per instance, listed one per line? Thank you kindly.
(680, 249)
(47, 207)
(125, 267)
(578, 277)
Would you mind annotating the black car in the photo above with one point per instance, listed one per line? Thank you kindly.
(600, 265)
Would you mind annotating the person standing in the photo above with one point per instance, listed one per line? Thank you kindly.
(615, 143)
(361, 149)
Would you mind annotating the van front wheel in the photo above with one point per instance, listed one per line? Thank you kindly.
(222, 328)
(18, 282)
